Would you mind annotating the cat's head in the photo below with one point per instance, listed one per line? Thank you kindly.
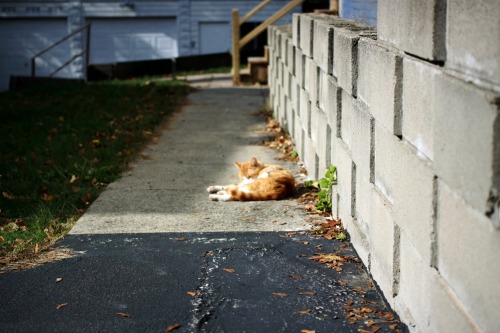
(249, 169)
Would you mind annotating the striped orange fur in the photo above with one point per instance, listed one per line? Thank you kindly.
(259, 181)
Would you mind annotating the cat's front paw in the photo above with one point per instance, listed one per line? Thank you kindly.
(214, 188)
(220, 196)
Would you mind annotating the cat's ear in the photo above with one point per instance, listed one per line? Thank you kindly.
(254, 162)
(238, 165)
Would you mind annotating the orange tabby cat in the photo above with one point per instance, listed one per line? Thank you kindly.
(259, 182)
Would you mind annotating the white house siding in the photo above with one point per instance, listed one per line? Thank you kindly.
(23, 38)
(156, 29)
(204, 12)
(130, 39)
(359, 10)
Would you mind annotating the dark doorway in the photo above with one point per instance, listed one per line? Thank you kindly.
(254, 48)
(309, 6)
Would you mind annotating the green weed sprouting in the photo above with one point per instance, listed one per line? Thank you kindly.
(324, 185)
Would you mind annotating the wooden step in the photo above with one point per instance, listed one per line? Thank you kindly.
(257, 66)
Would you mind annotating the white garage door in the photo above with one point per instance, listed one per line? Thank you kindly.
(20, 39)
(115, 40)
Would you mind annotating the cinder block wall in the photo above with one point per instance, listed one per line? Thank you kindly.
(409, 114)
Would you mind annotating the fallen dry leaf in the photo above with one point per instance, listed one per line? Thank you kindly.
(8, 195)
(59, 306)
(360, 289)
(301, 312)
(389, 316)
(375, 329)
(280, 294)
(295, 277)
(58, 280)
(173, 327)
(191, 293)
(47, 197)
(307, 331)
(229, 270)
(124, 315)
(86, 198)
(312, 293)
(180, 239)
(327, 258)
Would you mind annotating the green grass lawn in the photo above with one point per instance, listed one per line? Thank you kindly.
(61, 145)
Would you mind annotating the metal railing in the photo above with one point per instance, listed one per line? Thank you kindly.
(85, 52)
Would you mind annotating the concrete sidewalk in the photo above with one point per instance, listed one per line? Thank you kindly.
(166, 190)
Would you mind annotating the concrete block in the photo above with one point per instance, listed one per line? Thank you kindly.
(305, 112)
(323, 45)
(296, 29)
(288, 115)
(291, 56)
(314, 124)
(382, 242)
(277, 42)
(418, 107)
(361, 139)
(298, 137)
(379, 82)
(321, 142)
(270, 33)
(468, 256)
(282, 73)
(342, 159)
(446, 312)
(279, 69)
(284, 48)
(311, 79)
(294, 94)
(309, 158)
(467, 137)
(287, 78)
(345, 55)
(327, 94)
(346, 119)
(413, 285)
(473, 47)
(359, 240)
(407, 182)
(283, 98)
(306, 34)
(361, 202)
(416, 27)
(385, 166)
(299, 67)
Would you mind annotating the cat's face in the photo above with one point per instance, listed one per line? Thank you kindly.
(249, 169)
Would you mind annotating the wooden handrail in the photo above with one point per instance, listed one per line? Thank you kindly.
(254, 11)
(238, 44)
(263, 26)
(85, 51)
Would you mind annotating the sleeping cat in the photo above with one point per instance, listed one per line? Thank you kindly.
(259, 182)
